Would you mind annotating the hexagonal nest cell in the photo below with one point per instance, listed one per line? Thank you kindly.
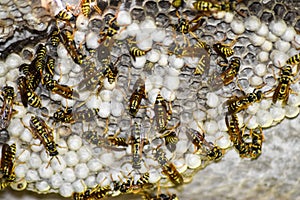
(150, 99)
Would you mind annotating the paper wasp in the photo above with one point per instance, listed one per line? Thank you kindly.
(44, 133)
(212, 151)
(231, 71)
(283, 90)
(136, 97)
(163, 112)
(86, 6)
(6, 111)
(136, 52)
(67, 39)
(8, 162)
(27, 95)
(168, 168)
(62, 90)
(236, 104)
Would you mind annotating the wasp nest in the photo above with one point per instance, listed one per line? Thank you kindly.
(114, 98)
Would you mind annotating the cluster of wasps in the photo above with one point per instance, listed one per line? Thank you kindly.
(41, 72)
(127, 186)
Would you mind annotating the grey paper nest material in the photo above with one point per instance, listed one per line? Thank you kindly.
(99, 143)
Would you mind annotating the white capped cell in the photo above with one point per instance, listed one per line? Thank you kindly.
(94, 165)
(223, 140)
(123, 18)
(267, 46)
(93, 101)
(148, 26)
(23, 155)
(26, 136)
(291, 112)
(144, 41)
(107, 159)
(154, 176)
(279, 58)
(193, 161)
(167, 94)
(32, 176)
(148, 84)
(173, 72)
(153, 55)
(253, 108)
(56, 181)
(133, 29)
(84, 95)
(257, 40)
(61, 51)
(251, 123)
(117, 109)
(74, 142)
(102, 178)
(278, 28)
(282, 45)
(260, 69)
(199, 115)
(35, 161)
(212, 113)
(157, 81)
(58, 164)
(82, 22)
(263, 30)
(105, 95)
(163, 61)
(228, 17)
(42, 186)
(13, 60)
(15, 127)
(171, 82)
(66, 190)
(158, 35)
(3, 68)
(122, 35)
(90, 181)
(21, 170)
(222, 125)
(278, 113)
(256, 81)
(68, 175)
(211, 127)
(271, 37)
(79, 186)
(212, 100)
(175, 62)
(117, 95)
(264, 118)
(36, 145)
(12, 75)
(71, 158)
(62, 147)
(45, 156)
(181, 147)
(91, 40)
(265, 104)
(45, 171)
(84, 154)
(139, 62)
(79, 38)
(252, 23)
(104, 109)
(289, 34)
